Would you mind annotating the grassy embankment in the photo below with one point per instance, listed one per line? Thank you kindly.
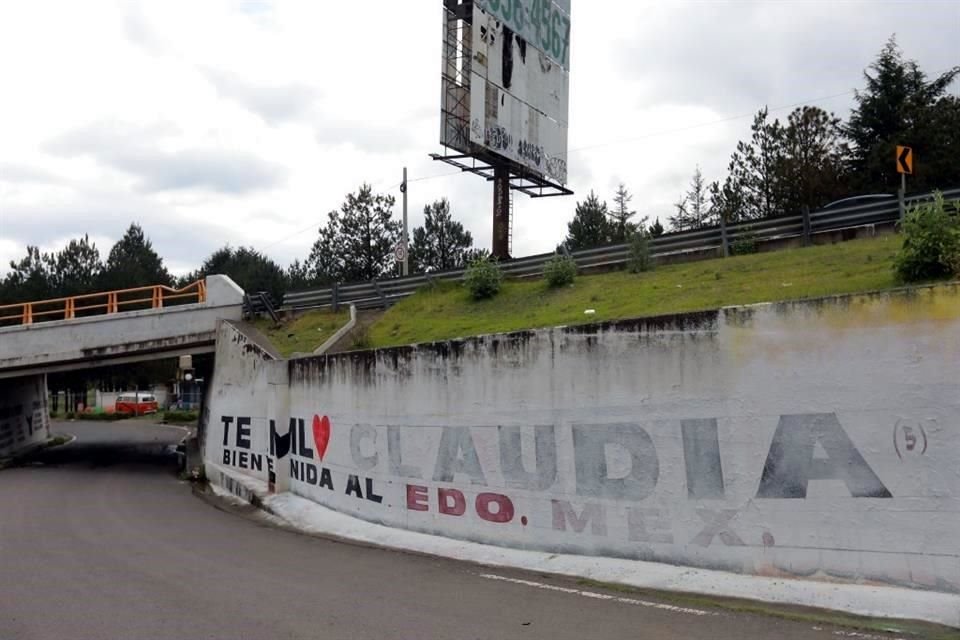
(446, 311)
(304, 333)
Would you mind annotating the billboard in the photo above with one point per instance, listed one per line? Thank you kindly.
(514, 91)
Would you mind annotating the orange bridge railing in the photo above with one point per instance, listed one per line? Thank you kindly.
(93, 304)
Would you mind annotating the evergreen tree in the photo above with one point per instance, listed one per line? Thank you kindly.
(133, 263)
(897, 107)
(298, 276)
(727, 201)
(622, 225)
(681, 221)
(29, 279)
(812, 170)
(754, 170)
(358, 240)
(590, 226)
(656, 229)
(441, 243)
(251, 270)
(693, 209)
(75, 269)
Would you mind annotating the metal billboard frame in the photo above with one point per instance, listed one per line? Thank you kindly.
(507, 175)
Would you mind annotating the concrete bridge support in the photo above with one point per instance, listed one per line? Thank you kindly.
(24, 415)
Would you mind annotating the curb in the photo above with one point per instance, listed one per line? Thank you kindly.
(12, 461)
(342, 331)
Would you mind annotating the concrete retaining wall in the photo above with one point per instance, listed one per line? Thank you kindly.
(24, 417)
(817, 439)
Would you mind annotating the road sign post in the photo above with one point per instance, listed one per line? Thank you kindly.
(904, 167)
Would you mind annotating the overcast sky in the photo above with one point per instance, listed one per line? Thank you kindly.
(246, 121)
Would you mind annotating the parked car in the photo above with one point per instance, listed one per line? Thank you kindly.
(137, 403)
(855, 201)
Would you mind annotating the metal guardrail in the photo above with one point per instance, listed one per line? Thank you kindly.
(103, 303)
(382, 293)
(260, 303)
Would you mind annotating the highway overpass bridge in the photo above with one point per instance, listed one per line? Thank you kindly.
(96, 330)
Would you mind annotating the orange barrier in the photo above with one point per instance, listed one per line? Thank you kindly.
(104, 303)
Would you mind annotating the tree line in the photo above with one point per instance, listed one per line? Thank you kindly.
(813, 157)
(357, 243)
(809, 159)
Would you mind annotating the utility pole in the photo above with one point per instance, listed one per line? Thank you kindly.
(404, 242)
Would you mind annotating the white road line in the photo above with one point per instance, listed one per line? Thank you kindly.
(859, 635)
(600, 596)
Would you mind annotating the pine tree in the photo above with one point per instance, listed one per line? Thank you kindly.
(133, 263)
(76, 268)
(589, 227)
(358, 240)
(814, 159)
(441, 243)
(754, 170)
(693, 209)
(623, 227)
(251, 270)
(656, 229)
(29, 279)
(896, 108)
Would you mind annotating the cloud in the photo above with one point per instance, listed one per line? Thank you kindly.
(274, 103)
(243, 121)
(22, 174)
(137, 151)
(368, 137)
(182, 240)
(745, 55)
(139, 31)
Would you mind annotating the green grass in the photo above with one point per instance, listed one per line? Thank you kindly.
(305, 332)
(180, 417)
(446, 311)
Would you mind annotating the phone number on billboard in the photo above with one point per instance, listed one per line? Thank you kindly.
(539, 21)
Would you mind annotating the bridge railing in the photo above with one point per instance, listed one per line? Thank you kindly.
(101, 303)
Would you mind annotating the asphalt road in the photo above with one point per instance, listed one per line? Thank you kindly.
(99, 539)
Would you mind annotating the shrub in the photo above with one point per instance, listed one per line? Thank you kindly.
(100, 416)
(931, 241)
(954, 264)
(360, 339)
(559, 271)
(182, 416)
(483, 278)
(745, 244)
(639, 258)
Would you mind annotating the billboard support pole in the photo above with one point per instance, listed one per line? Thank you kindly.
(501, 213)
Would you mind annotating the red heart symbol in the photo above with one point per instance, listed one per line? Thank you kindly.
(321, 434)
